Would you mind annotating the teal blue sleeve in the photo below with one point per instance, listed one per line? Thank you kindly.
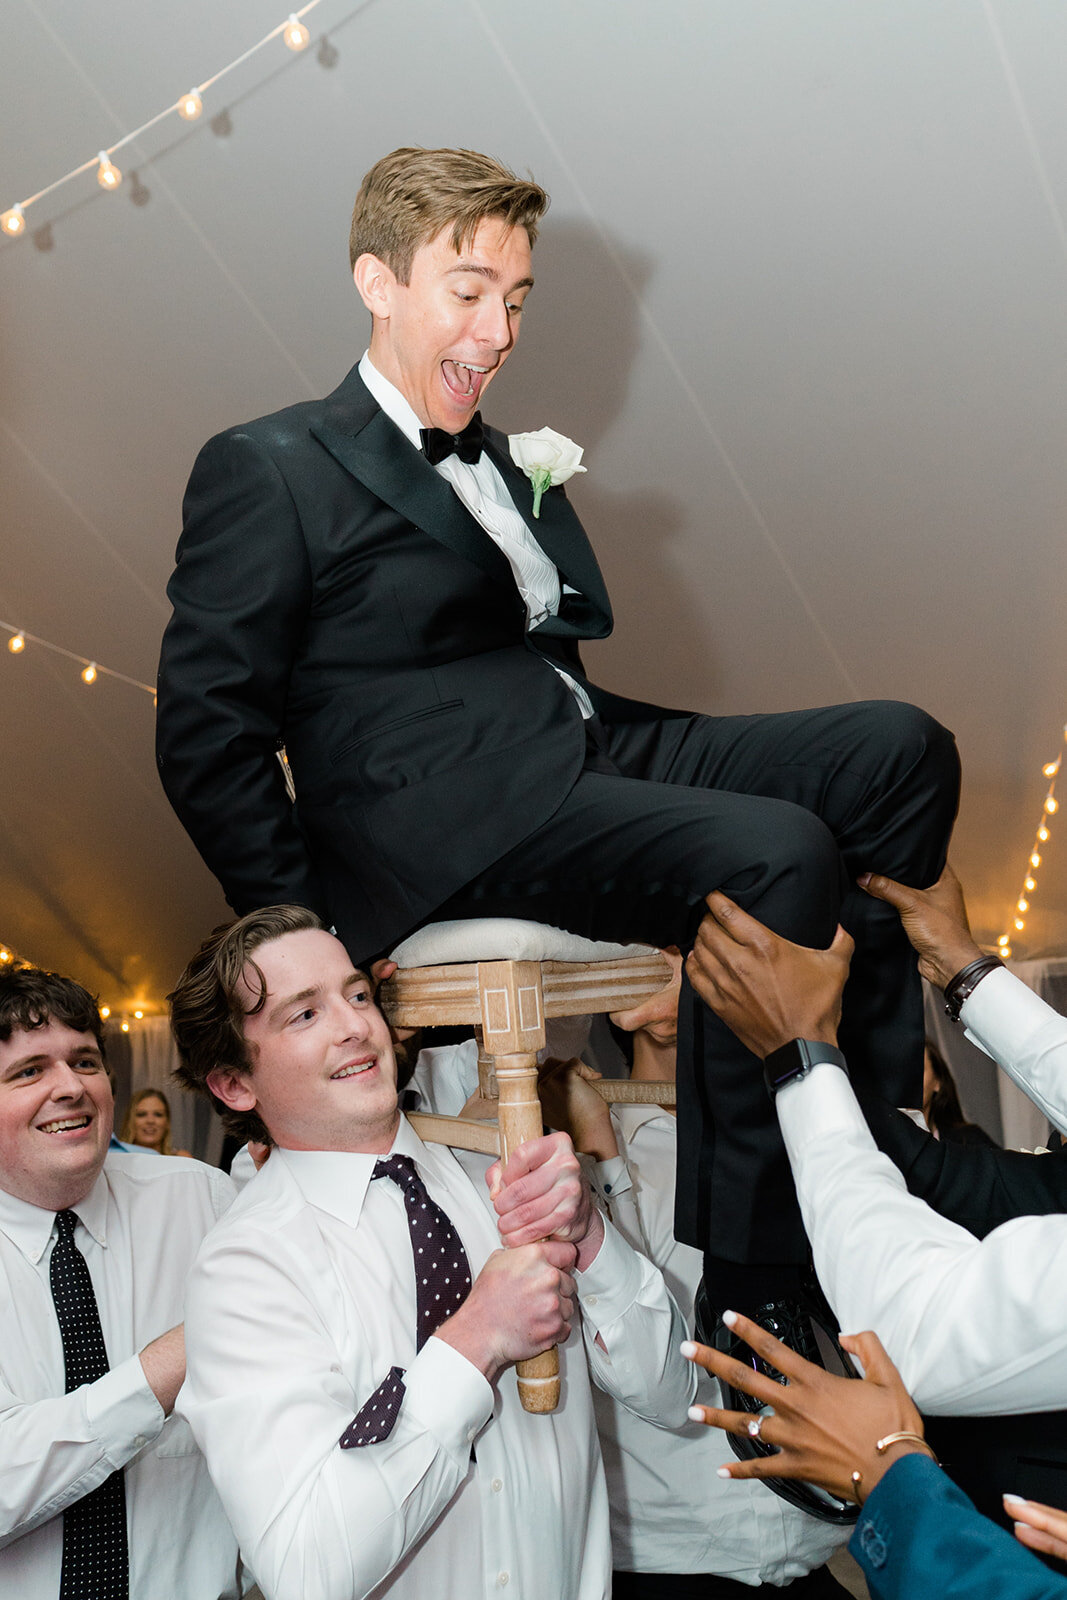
(920, 1535)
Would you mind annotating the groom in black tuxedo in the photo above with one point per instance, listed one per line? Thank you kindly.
(398, 618)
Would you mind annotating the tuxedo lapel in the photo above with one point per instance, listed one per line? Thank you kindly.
(359, 435)
(563, 539)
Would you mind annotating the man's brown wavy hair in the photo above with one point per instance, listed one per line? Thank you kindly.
(411, 194)
(207, 1009)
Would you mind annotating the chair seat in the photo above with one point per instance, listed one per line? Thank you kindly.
(504, 939)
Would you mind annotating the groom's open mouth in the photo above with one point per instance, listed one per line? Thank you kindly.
(464, 381)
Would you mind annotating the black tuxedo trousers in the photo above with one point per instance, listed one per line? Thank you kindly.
(782, 812)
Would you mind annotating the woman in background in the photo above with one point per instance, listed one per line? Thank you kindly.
(147, 1123)
(941, 1103)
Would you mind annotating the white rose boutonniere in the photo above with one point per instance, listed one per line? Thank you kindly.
(547, 458)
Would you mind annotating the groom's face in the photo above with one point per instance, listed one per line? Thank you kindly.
(443, 336)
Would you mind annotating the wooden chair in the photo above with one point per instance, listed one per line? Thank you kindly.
(505, 979)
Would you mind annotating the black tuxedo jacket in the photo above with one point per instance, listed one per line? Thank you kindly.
(332, 594)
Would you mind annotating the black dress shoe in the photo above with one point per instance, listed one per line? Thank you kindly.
(808, 1328)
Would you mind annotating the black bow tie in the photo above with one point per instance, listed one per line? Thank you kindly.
(437, 445)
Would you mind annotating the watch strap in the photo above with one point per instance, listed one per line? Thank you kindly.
(796, 1059)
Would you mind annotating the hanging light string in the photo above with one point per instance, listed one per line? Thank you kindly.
(188, 107)
(1049, 807)
(123, 1014)
(91, 670)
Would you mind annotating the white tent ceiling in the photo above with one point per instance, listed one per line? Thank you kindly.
(802, 295)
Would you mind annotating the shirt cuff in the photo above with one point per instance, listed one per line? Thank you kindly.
(612, 1281)
(611, 1178)
(123, 1412)
(448, 1396)
(821, 1102)
(1003, 1012)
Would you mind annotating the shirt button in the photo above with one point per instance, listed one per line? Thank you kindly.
(140, 1440)
(496, 1485)
(503, 1579)
(590, 1299)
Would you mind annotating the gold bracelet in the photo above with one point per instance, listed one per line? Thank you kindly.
(906, 1438)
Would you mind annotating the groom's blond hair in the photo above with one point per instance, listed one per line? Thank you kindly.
(410, 195)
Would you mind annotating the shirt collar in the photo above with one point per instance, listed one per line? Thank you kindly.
(391, 401)
(30, 1227)
(336, 1181)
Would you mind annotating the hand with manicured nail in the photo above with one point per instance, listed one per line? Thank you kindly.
(823, 1428)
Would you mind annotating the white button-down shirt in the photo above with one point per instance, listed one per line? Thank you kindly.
(1025, 1035)
(139, 1229)
(669, 1511)
(975, 1326)
(300, 1303)
(485, 495)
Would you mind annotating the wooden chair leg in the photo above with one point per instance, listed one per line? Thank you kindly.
(513, 1030)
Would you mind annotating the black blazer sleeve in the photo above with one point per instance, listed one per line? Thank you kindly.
(975, 1185)
(241, 596)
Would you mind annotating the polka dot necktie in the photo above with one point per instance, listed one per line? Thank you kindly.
(96, 1564)
(442, 1283)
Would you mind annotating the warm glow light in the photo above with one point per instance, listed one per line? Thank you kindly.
(1005, 951)
(5, 955)
(125, 1027)
(17, 643)
(190, 106)
(1030, 884)
(138, 1015)
(13, 222)
(108, 175)
(1003, 939)
(1035, 860)
(1022, 904)
(1020, 924)
(295, 34)
(105, 1012)
(1042, 833)
(1052, 805)
(1050, 769)
(89, 673)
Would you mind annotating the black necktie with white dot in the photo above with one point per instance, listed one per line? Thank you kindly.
(96, 1563)
(442, 1283)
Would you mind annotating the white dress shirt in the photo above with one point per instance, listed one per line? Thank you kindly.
(139, 1229)
(669, 1511)
(485, 495)
(1025, 1036)
(975, 1326)
(301, 1301)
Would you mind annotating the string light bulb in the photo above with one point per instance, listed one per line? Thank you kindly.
(17, 643)
(13, 222)
(295, 34)
(108, 175)
(105, 1012)
(5, 956)
(190, 106)
(138, 1015)
(125, 1027)
(1049, 806)
(89, 673)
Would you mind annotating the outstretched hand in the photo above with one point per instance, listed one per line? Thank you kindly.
(764, 987)
(935, 920)
(1038, 1527)
(823, 1428)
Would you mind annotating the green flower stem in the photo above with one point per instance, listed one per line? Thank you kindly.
(541, 478)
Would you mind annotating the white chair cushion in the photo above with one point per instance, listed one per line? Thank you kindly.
(441, 944)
